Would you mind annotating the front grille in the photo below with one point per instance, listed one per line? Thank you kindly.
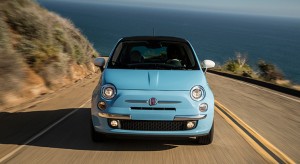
(153, 125)
(151, 108)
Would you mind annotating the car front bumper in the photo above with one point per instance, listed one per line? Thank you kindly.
(123, 108)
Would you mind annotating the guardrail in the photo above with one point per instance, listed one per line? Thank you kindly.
(275, 87)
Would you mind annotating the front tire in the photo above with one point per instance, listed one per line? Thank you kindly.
(207, 139)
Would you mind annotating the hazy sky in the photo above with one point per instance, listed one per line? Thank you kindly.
(290, 8)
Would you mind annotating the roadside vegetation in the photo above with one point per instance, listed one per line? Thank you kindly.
(39, 51)
(239, 65)
(263, 71)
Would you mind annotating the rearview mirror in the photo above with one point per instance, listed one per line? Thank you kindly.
(99, 62)
(208, 64)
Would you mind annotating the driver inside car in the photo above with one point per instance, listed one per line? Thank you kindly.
(174, 56)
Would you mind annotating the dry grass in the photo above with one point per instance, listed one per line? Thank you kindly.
(43, 42)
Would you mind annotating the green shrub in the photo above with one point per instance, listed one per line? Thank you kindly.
(269, 72)
(231, 65)
(239, 65)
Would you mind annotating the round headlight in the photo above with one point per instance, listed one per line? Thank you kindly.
(108, 91)
(197, 93)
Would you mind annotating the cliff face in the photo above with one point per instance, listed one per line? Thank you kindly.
(39, 52)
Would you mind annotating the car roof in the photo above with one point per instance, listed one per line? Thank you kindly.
(153, 38)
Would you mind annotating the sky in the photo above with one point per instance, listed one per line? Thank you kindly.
(285, 8)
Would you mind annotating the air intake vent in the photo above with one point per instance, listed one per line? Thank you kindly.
(153, 125)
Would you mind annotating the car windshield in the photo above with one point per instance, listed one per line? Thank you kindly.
(153, 55)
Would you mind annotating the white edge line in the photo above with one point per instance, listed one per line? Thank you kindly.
(41, 133)
(254, 86)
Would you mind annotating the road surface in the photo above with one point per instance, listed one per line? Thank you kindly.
(69, 140)
(273, 115)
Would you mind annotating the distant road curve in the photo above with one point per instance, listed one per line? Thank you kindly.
(249, 81)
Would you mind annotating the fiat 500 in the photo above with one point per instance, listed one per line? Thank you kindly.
(153, 86)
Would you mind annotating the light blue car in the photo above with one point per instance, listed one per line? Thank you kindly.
(153, 86)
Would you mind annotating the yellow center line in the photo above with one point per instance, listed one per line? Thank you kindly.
(259, 143)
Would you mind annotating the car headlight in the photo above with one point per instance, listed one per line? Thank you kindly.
(197, 93)
(108, 91)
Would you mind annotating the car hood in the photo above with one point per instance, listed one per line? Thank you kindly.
(176, 80)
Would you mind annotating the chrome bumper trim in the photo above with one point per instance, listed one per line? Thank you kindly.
(169, 102)
(137, 101)
(147, 101)
(193, 117)
(176, 118)
(115, 116)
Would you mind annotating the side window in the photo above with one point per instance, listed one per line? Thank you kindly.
(115, 55)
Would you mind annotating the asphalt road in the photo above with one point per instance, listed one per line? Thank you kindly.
(273, 115)
(69, 141)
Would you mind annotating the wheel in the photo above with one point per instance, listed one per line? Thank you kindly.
(96, 137)
(207, 139)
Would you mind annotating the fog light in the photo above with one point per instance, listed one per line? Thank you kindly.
(102, 105)
(203, 107)
(114, 123)
(191, 124)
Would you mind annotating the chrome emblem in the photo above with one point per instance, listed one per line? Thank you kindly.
(152, 101)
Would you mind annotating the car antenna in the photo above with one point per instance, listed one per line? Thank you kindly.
(153, 31)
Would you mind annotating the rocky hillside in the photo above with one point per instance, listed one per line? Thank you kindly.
(39, 52)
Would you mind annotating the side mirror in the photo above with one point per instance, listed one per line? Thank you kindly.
(100, 62)
(208, 64)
